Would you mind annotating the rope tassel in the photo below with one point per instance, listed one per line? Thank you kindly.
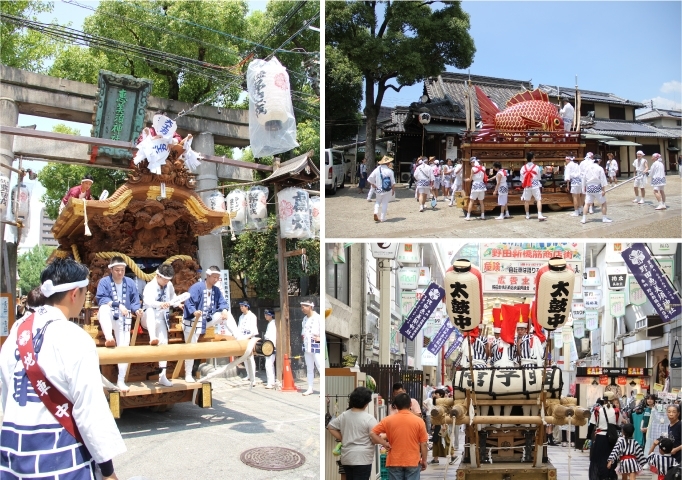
(85, 216)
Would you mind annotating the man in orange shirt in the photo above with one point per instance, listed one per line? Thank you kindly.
(405, 441)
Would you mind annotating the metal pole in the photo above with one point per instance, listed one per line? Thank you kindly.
(623, 183)
(385, 313)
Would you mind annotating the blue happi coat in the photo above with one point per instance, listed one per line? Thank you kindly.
(196, 302)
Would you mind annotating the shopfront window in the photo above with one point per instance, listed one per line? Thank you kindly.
(337, 271)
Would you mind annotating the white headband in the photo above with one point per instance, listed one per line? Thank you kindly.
(211, 272)
(158, 274)
(48, 289)
(116, 264)
(308, 304)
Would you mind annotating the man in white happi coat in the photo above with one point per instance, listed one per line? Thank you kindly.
(157, 296)
(246, 328)
(457, 179)
(34, 442)
(657, 174)
(612, 167)
(530, 181)
(118, 300)
(584, 165)
(641, 171)
(478, 181)
(423, 176)
(595, 184)
(383, 181)
(575, 184)
(566, 113)
(311, 334)
(207, 307)
(270, 334)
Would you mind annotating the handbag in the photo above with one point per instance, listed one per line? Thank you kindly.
(676, 361)
(612, 432)
(675, 473)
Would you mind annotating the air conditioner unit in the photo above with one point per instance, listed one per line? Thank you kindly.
(649, 327)
(405, 177)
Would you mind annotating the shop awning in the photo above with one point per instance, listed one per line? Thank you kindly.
(440, 128)
(622, 143)
(595, 136)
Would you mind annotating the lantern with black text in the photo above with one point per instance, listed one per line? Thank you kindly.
(257, 207)
(236, 204)
(553, 293)
(4, 194)
(464, 295)
(294, 213)
(315, 215)
(216, 202)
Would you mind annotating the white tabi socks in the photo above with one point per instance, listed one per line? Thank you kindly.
(163, 380)
(188, 371)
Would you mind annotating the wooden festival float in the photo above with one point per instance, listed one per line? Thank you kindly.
(505, 410)
(150, 219)
(529, 123)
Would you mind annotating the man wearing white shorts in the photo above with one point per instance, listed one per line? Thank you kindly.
(435, 168)
(584, 165)
(530, 180)
(447, 177)
(501, 190)
(478, 181)
(595, 182)
(657, 174)
(572, 176)
(612, 167)
(383, 181)
(423, 175)
(641, 170)
(457, 180)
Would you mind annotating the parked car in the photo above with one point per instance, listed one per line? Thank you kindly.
(335, 170)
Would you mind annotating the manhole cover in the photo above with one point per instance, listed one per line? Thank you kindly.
(272, 458)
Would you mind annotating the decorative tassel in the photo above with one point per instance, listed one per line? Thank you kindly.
(163, 190)
(472, 413)
(85, 216)
(191, 157)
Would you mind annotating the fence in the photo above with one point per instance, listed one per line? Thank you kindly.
(386, 375)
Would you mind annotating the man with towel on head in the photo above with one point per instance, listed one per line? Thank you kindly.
(157, 296)
(248, 327)
(207, 307)
(478, 181)
(311, 331)
(79, 191)
(270, 334)
(118, 300)
(641, 171)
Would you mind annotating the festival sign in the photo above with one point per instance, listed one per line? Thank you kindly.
(511, 267)
(636, 295)
(617, 304)
(121, 105)
(654, 282)
(441, 337)
(422, 310)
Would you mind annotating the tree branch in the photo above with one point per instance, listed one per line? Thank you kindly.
(393, 87)
(204, 91)
(387, 17)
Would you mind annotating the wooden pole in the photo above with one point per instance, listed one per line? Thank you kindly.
(178, 366)
(172, 352)
(132, 340)
(283, 325)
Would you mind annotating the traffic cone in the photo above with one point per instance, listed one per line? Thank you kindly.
(287, 377)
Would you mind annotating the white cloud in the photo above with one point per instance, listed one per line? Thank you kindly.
(664, 103)
(672, 86)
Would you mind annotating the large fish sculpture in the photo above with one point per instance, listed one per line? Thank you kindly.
(525, 111)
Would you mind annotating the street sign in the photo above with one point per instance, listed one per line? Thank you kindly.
(384, 250)
(616, 277)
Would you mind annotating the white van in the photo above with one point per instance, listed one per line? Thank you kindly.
(334, 170)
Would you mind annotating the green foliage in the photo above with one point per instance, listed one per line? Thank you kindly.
(22, 48)
(30, 265)
(254, 256)
(343, 96)
(65, 129)
(401, 42)
(80, 64)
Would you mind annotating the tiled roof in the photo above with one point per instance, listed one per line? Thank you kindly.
(453, 87)
(384, 113)
(658, 113)
(622, 128)
(588, 96)
(672, 132)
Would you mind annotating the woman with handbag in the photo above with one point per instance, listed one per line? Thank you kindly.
(603, 431)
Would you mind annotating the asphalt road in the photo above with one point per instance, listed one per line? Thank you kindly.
(349, 215)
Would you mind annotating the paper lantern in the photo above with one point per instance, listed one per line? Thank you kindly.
(270, 94)
(464, 295)
(424, 118)
(294, 214)
(554, 293)
(4, 194)
(22, 197)
(216, 202)
(507, 382)
(236, 202)
(315, 214)
(257, 207)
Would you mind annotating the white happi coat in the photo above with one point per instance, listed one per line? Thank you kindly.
(657, 174)
(31, 438)
(311, 327)
(248, 324)
(151, 294)
(271, 333)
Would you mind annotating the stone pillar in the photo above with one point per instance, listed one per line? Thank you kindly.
(9, 116)
(210, 246)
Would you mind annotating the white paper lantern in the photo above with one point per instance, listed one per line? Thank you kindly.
(257, 207)
(464, 295)
(554, 293)
(216, 202)
(294, 213)
(22, 197)
(315, 214)
(270, 94)
(236, 202)
(424, 118)
(4, 194)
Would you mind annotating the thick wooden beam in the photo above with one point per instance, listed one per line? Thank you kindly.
(181, 351)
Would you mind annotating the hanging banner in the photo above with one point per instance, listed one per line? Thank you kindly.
(459, 338)
(558, 337)
(408, 253)
(654, 282)
(578, 311)
(579, 328)
(511, 267)
(566, 334)
(407, 301)
(422, 311)
(429, 359)
(591, 320)
(636, 296)
(441, 337)
(617, 304)
(592, 299)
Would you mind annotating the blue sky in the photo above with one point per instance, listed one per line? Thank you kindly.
(630, 49)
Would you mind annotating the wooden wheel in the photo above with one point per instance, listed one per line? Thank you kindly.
(555, 207)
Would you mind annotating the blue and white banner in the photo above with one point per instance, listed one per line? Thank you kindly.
(441, 337)
(654, 282)
(459, 338)
(422, 310)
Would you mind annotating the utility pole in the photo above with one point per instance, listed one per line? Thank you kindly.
(385, 312)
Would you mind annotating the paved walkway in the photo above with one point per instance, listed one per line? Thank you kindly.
(349, 215)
